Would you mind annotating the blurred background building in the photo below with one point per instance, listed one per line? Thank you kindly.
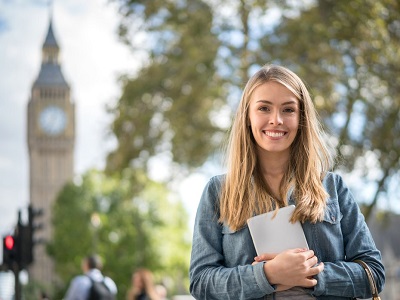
(51, 136)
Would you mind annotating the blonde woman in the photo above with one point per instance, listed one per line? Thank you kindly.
(143, 287)
(277, 157)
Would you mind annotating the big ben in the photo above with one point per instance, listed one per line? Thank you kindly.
(51, 137)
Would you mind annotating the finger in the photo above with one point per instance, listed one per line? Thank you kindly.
(297, 250)
(313, 261)
(310, 282)
(319, 266)
(316, 270)
(265, 256)
(308, 253)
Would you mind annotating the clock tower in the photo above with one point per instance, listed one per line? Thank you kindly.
(51, 136)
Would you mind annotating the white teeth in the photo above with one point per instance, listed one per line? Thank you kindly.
(274, 134)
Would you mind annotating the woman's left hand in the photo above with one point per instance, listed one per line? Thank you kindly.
(294, 267)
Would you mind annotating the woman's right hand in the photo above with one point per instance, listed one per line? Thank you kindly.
(294, 267)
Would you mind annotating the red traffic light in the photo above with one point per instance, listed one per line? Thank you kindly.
(9, 242)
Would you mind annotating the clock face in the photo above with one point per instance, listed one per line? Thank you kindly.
(52, 120)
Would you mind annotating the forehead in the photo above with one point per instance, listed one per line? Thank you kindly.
(272, 91)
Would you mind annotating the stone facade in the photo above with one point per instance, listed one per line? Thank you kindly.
(51, 136)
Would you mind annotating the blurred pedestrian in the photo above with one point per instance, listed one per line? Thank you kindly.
(80, 287)
(143, 287)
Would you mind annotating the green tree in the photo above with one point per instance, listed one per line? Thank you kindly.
(98, 215)
(347, 52)
(165, 109)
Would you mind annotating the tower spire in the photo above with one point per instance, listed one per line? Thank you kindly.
(50, 72)
(51, 6)
(50, 40)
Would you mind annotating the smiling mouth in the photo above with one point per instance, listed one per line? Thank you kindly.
(274, 134)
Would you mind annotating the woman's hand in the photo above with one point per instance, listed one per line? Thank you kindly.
(294, 267)
(279, 287)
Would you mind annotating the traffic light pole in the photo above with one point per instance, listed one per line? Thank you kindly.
(18, 247)
(17, 283)
(11, 259)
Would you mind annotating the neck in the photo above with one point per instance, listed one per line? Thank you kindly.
(273, 167)
(273, 164)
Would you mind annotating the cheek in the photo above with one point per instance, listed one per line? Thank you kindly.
(295, 130)
(254, 121)
(254, 127)
(293, 123)
(251, 122)
(296, 125)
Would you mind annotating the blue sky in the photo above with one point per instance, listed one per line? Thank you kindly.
(91, 59)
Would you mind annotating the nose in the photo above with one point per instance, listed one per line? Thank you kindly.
(276, 118)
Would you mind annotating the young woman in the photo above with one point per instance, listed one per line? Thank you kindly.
(277, 156)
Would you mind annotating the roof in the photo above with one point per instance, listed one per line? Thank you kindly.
(50, 75)
(50, 40)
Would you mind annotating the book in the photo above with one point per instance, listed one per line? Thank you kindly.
(275, 234)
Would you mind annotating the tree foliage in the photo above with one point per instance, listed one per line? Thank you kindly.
(165, 109)
(347, 52)
(98, 215)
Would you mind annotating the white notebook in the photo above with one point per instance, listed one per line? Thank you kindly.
(274, 235)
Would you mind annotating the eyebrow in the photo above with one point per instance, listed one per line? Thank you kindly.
(284, 103)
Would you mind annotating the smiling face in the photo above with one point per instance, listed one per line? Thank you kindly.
(274, 115)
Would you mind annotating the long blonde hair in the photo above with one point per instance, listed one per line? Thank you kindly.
(244, 191)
